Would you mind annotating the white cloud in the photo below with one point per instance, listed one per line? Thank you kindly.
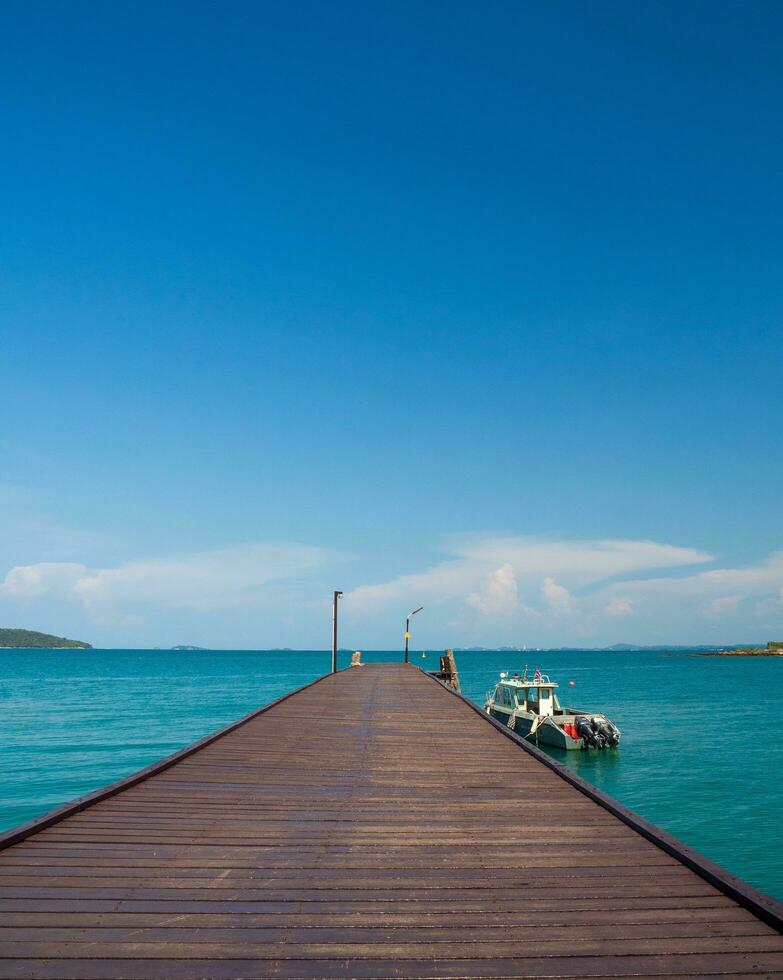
(776, 600)
(449, 580)
(735, 584)
(574, 590)
(557, 597)
(579, 562)
(771, 610)
(619, 606)
(498, 595)
(571, 564)
(485, 590)
(210, 579)
(54, 578)
(702, 605)
(726, 605)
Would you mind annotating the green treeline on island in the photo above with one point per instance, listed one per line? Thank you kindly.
(32, 640)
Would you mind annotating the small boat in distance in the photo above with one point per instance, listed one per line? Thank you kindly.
(529, 706)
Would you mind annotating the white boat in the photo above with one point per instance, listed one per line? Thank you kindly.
(529, 706)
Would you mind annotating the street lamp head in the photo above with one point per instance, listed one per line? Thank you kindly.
(417, 610)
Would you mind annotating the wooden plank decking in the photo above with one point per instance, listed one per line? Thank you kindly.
(372, 825)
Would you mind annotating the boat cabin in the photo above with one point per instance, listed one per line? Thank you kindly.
(535, 693)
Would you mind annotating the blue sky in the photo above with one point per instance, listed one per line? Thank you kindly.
(472, 307)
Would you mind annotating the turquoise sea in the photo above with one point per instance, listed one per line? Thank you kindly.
(701, 754)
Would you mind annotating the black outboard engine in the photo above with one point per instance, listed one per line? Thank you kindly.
(609, 732)
(597, 733)
(587, 730)
(583, 729)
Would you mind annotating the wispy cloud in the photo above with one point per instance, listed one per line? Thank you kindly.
(542, 590)
(488, 588)
(770, 610)
(199, 581)
(577, 561)
(28, 531)
(496, 573)
(716, 593)
(726, 605)
(47, 578)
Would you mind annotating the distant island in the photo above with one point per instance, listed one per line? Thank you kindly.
(772, 649)
(184, 647)
(31, 640)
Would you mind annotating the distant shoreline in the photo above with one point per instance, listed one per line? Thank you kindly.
(697, 650)
(749, 652)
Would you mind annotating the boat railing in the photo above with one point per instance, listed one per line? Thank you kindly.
(538, 678)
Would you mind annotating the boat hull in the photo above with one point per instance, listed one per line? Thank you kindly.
(546, 734)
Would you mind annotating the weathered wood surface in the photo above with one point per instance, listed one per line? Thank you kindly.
(370, 826)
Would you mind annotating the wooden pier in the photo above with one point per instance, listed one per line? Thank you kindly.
(373, 824)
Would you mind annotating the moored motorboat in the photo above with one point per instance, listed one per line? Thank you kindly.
(529, 706)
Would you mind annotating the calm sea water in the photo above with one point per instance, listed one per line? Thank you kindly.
(701, 754)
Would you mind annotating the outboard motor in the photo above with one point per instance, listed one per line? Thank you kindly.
(610, 732)
(583, 729)
(597, 733)
(587, 731)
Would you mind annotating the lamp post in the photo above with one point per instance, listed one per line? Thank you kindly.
(408, 629)
(334, 631)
